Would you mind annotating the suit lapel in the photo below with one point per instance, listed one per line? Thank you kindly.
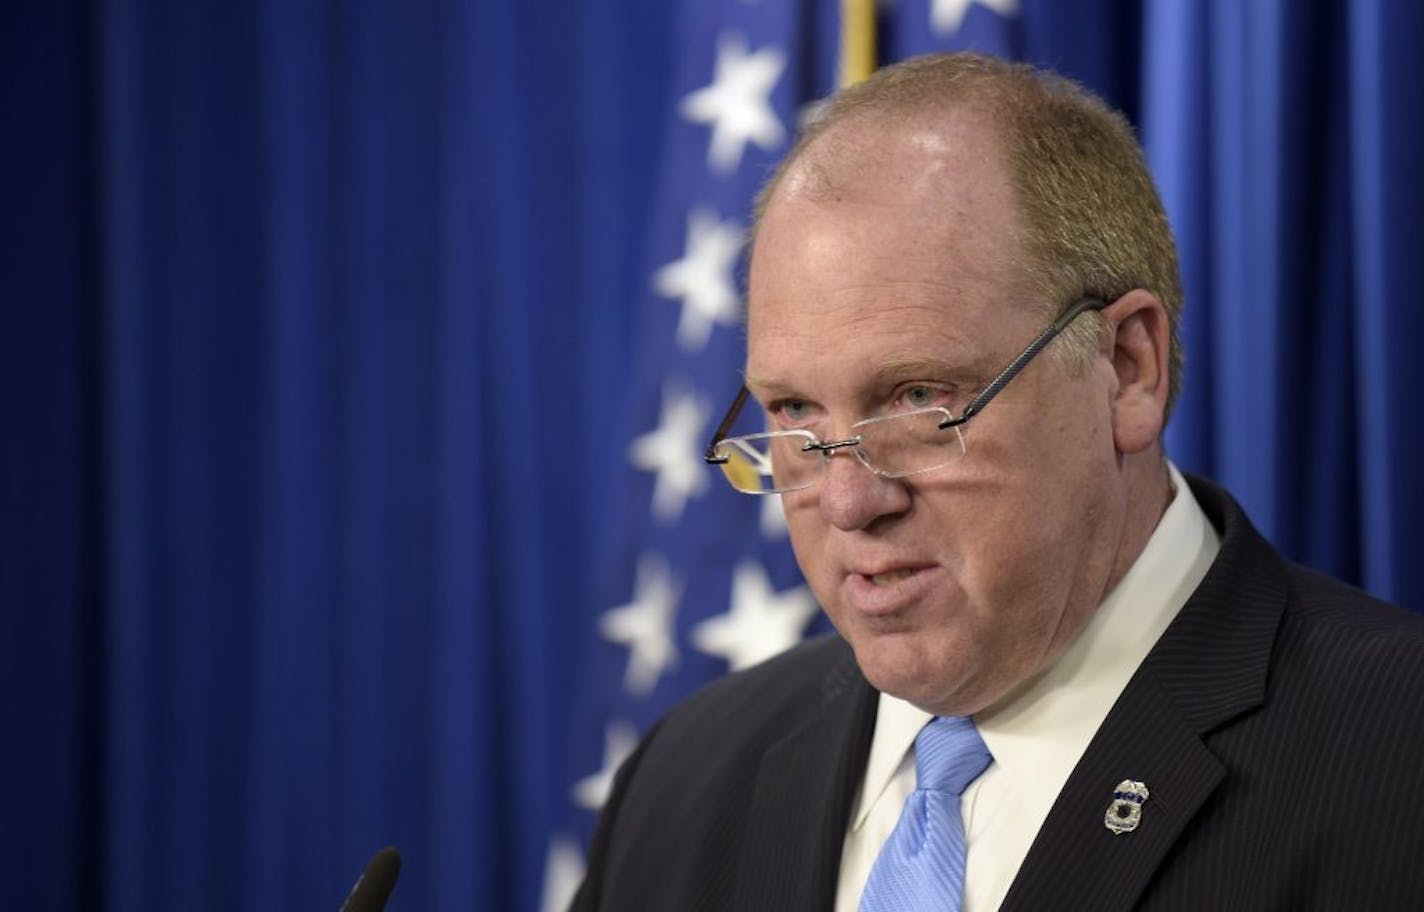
(1076, 862)
(1209, 668)
(802, 799)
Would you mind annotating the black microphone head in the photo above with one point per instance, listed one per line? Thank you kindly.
(376, 883)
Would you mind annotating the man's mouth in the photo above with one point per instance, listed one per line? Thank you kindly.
(888, 587)
(892, 576)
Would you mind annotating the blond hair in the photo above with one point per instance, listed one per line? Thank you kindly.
(1093, 223)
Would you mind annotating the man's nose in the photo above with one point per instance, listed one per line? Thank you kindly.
(852, 496)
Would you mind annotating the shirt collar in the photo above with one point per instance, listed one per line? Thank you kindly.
(1039, 731)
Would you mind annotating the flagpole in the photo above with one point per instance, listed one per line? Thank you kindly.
(857, 40)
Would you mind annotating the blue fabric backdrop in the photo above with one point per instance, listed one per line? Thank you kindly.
(325, 336)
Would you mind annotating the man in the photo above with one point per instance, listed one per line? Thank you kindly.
(1171, 715)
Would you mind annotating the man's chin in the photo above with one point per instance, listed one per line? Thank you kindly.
(900, 667)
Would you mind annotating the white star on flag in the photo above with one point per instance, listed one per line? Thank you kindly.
(738, 102)
(619, 742)
(760, 624)
(773, 517)
(674, 452)
(703, 278)
(645, 625)
(946, 16)
(563, 872)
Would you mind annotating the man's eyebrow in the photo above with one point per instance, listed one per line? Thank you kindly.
(893, 371)
(767, 387)
(923, 368)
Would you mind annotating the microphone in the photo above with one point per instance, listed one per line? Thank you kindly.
(375, 884)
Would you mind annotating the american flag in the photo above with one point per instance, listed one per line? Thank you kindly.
(700, 579)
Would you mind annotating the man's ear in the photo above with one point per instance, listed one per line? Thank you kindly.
(1139, 335)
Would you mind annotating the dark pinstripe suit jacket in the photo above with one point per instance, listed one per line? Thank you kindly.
(1279, 724)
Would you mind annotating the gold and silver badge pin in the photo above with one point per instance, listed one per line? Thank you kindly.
(1125, 812)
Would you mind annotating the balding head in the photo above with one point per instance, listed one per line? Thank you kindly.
(1087, 216)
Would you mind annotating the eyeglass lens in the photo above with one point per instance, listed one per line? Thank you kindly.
(893, 446)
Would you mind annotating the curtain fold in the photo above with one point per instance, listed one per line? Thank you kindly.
(1278, 133)
(1386, 81)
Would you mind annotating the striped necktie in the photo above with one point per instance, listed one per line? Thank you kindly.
(921, 866)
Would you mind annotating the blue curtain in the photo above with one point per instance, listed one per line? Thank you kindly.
(314, 318)
(1286, 138)
(320, 325)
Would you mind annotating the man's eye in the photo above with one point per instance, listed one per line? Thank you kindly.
(920, 396)
(791, 410)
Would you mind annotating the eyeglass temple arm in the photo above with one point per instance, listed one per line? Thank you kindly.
(1036, 346)
(710, 456)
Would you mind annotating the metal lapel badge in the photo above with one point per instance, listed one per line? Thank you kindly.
(1125, 812)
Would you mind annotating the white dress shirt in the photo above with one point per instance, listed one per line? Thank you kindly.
(1038, 733)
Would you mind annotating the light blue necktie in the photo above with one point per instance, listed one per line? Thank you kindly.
(921, 866)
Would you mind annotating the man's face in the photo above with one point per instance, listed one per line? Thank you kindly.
(894, 285)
